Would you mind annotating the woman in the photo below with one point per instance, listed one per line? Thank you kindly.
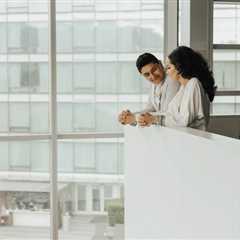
(190, 107)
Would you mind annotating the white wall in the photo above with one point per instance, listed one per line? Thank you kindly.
(181, 184)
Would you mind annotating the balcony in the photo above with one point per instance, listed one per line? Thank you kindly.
(181, 183)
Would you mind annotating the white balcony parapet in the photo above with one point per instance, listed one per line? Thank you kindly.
(181, 183)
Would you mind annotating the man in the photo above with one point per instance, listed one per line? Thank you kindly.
(162, 92)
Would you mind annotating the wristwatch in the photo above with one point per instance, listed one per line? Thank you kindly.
(134, 124)
(158, 120)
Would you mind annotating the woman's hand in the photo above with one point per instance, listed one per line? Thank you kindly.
(145, 119)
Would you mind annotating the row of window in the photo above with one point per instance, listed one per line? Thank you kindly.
(41, 6)
(72, 117)
(82, 117)
(108, 77)
(84, 36)
(73, 157)
(96, 78)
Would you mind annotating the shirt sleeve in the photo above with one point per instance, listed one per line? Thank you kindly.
(149, 106)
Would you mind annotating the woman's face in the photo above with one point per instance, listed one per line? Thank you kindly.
(171, 70)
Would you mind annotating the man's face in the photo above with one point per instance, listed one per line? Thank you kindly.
(153, 72)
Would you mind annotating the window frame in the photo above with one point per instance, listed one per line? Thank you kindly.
(53, 136)
(223, 47)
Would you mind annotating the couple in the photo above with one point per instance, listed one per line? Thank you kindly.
(181, 99)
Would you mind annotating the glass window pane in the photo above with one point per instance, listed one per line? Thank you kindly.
(83, 116)
(18, 77)
(83, 36)
(64, 37)
(128, 83)
(85, 157)
(106, 77)
(107, 158)
(39, 71)
(3, 6)
(84, 77)
(4, 156)
(3, 38)
(64, 77)
(65, 157)
(15, 6)
(40, 156)
(19, 117)
(3, 117)
(108, 192)
(96, 199)
(226, 23)
(226, 65)
(97, 78)
(28, 77)
(63, 6)
(24, 165)
(38, 6)
(154, 40)
(82, 198)
(3, 78)
(39, 124)
(38, 37)
(106, 116)
(19, 156)
(129, 35)
(28, 37)
(106, 36)
(17, 37)
(226, 105)
(121, 158)
(65, 117)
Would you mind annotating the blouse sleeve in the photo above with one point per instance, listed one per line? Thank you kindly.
(183, 115)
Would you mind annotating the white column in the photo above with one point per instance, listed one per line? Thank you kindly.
(116, 191)
(102, 198)
(89, 198)
(75, 199)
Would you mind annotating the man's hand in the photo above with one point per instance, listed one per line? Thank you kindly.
(126, 117)
(145, 120)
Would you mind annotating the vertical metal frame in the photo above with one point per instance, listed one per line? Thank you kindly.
(53, 120)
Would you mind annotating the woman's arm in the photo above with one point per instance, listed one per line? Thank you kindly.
(190, 109)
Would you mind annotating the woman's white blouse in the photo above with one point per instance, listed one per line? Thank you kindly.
(189, 108)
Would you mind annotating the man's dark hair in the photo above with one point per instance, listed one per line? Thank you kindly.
(144, 59)
(189, 64)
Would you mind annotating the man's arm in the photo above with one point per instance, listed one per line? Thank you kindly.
(149, 106)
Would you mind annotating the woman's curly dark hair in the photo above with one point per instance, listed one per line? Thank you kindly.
(190, 63)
